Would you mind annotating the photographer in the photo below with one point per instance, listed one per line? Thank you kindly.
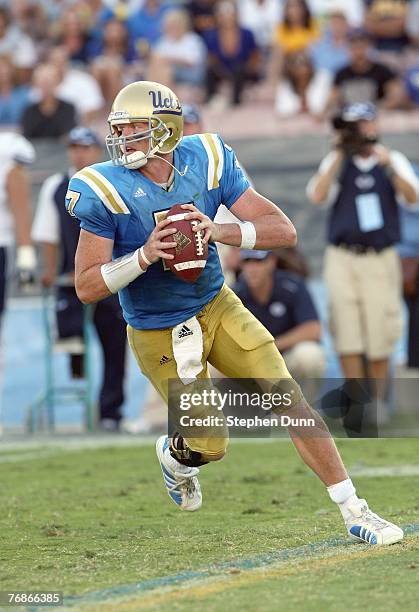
(363, 181)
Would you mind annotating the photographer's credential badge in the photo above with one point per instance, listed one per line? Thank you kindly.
(369, 212)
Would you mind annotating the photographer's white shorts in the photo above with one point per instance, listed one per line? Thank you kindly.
(365, 303)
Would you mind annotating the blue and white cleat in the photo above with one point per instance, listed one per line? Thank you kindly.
(181, 481)
(366, 526)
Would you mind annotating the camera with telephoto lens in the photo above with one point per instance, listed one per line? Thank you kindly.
(351, 140)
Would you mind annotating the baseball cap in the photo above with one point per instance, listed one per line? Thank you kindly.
(359, 111)
(83, 136)
(254, 254)
(191, 113)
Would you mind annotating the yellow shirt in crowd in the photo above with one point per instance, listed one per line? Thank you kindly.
(292, 40)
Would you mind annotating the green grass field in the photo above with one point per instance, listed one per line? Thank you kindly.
(99, 520)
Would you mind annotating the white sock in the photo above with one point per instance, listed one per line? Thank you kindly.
(342, 492)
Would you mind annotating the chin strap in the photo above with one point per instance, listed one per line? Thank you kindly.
(139, 158)
(142, 157)
(181, 173)
(154, 154)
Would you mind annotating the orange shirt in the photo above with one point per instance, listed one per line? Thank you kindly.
(296, 39)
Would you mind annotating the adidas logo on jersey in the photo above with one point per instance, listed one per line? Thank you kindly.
(165, 359)
(185, 331)
(140, 193)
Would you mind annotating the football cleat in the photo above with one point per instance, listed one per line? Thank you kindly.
(181, 481)
(366, 526)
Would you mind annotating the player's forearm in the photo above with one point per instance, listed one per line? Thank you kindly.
(50, 260)
(90, 286)
(228, 233)
(19, 197)
(272, 232)
(22, 227)
(101, 280)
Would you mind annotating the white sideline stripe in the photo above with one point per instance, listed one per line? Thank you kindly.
(59, 443)
(45, 447)
(385, 471)
(211, 163)
(35, 454)
(339, 549)
(48, 446)
(186, 265)
(34, 447)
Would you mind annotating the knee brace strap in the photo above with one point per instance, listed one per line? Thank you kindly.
(185, 455)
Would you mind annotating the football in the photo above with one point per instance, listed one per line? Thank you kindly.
(190, 254)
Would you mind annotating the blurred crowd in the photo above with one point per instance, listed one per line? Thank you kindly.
(371, 263)
(62, 62)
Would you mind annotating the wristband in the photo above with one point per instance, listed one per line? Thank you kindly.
(248, 231)
(120, 272)
(144, 257)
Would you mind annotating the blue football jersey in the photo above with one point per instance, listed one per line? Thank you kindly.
(125, 205)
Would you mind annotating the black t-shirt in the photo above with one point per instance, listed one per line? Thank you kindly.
(363, 86)
(289, 305)
(37, 125)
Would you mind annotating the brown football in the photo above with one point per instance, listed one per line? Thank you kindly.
(190, 254)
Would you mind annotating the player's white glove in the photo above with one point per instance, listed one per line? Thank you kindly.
(25, 266)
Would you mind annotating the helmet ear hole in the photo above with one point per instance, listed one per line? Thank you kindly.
(159, 134)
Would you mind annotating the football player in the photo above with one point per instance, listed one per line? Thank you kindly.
(175, 328)
(16, 153)
(15, 212)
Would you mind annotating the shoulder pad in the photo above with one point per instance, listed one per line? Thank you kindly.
(215, 154)
(103, 188)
